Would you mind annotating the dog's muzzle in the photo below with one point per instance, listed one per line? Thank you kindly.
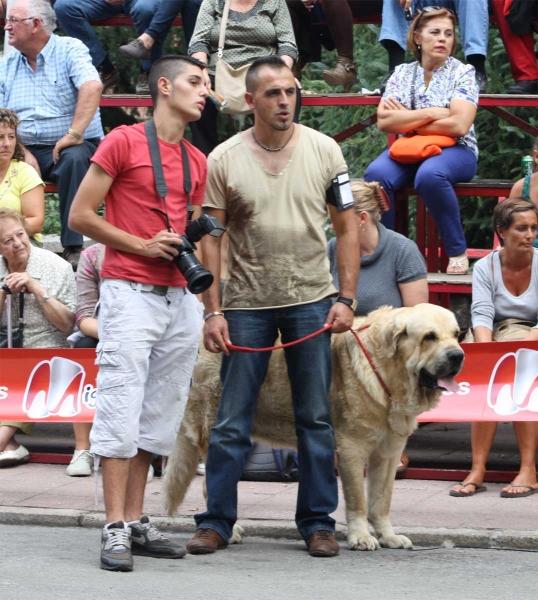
(443, 378)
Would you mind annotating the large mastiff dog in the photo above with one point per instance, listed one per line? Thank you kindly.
(417, 355)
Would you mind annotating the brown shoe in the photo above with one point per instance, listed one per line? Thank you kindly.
(345, 73)
(108, 80)
(205, 541)
(323, 543)
(135, 49)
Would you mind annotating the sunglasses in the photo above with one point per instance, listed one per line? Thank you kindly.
(431, 9)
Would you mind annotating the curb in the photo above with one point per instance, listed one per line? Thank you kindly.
(421, 536)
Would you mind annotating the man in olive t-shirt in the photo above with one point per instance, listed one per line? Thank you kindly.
(274, 186)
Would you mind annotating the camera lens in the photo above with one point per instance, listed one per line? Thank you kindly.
(198, 278)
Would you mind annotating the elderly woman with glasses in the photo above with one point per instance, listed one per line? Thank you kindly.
(47, 284)
(436, 95)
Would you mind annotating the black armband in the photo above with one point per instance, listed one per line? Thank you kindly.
(339, 193)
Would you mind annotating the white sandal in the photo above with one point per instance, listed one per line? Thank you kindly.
(458, 265)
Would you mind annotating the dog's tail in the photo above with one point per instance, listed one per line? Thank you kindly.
(180, 471)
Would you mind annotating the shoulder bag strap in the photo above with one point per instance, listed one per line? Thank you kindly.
(153, 143)
(413, 85)
(223, 23)
(187, 182)
(20, 323)
(158, 173)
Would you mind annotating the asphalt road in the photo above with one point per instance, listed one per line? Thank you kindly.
(42, 563)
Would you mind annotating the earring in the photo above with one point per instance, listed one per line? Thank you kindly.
(418, 46)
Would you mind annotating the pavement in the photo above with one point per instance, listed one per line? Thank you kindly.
(42, 494)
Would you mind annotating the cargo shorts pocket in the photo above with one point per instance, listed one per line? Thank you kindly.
(112, 398)
(108, 355)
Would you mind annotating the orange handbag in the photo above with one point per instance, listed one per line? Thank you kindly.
(410, 149)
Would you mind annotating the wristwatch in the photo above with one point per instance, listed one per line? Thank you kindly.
(351, 302)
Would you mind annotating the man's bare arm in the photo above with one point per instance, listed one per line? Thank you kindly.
(83, 218)
(348, 262)
(215, 328)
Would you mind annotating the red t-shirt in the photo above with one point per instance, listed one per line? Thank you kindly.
(124, 155)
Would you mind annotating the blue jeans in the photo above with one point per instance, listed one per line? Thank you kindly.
(472, 15)
(432, 179)
(68, 174)
(242, 374)
(167, 11)
(74, 19)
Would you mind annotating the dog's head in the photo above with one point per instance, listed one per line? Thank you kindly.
(422, 339)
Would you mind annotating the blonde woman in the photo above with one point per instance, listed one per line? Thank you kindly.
(393, 271)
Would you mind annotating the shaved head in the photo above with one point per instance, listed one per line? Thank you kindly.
(253, 73)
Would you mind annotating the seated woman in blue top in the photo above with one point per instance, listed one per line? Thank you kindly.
(392, 269)
(527, 187)
(437, 95)
(505, 307)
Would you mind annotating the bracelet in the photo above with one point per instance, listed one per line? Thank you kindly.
(45, 298)
(213, 314)
(75, 134)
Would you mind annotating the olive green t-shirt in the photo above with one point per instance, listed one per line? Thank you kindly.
(277, 244)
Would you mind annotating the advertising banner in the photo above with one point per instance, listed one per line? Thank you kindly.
(499, 382)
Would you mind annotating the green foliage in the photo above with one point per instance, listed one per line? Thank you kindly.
(52, 215)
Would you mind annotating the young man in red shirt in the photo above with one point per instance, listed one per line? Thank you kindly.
(149, 323)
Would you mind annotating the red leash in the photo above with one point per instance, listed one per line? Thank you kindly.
(355, 332)
(294, 343)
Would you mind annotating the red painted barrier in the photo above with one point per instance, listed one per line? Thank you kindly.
(499, 382)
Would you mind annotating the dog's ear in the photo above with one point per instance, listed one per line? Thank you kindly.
(393, 330)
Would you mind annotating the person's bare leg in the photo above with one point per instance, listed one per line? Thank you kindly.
(482, 434)
(82, 435)
(7, 441)
(115, 480)
(138, 473)
(527, 439)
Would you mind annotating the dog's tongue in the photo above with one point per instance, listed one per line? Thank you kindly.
(449, 383)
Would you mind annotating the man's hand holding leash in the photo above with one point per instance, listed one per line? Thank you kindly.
(216, 334)
(340, 317)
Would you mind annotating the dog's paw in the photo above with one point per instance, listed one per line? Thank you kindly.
(237, 535)
(395, 542)
(362, 542)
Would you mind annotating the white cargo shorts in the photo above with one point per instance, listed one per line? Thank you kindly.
(148, 346)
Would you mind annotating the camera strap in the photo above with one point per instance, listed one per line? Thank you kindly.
(158, 173)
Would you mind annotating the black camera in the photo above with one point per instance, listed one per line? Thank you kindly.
(198, 278)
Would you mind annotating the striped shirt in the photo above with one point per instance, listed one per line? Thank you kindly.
(45, 100)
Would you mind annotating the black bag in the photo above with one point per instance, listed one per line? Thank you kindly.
(267, 464)
(16, 332)
(522, 16)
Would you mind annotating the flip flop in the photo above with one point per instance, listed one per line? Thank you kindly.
(478, 488)
(530, 492)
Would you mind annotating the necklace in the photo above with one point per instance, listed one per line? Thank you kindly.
(279, 148)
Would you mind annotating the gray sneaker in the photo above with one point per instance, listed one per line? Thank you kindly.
(116, 548)
(147, 540)
(142, 86)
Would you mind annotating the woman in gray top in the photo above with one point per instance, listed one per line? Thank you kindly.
(505, 307)
(393, 271)
(254, 28)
